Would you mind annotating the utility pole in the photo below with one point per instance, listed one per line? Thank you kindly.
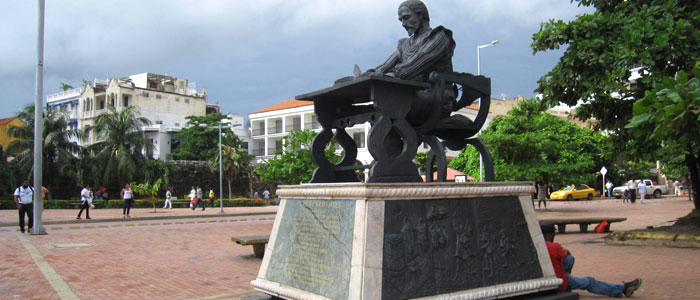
(38, 200)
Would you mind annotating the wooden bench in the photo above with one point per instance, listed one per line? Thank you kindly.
(258, 242)
(582, 222)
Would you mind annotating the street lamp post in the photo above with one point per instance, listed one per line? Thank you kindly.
(221, 180)
(478, 72)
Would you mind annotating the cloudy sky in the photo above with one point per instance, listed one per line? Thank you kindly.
(252, 54)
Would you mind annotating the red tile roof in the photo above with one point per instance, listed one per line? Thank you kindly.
(6, 120)
(284, 105)
(451, 175)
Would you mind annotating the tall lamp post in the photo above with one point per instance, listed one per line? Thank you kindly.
(478, 72)
(221, 180)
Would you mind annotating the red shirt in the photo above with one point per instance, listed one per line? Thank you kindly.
(557, 253)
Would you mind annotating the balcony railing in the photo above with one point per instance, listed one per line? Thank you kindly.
(312, 125)
(293, 127)
(257, 152)
(258, 131)
(272, 130)
(271, 151)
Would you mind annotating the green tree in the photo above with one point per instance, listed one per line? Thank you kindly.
(661, 36)
(149, 190)
(296, 166)
(467, 162)
(234, 160)
(199, 143)
(120, 143)
(56, 146)
(530, 144)
(8, 174)
(669, 115)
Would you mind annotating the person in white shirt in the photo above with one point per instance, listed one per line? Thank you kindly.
(128, 200)
(168, 198)
(266, 196)
(609, 188)
(23, 198)
(642, 191)
(86, 198)
(632, 190)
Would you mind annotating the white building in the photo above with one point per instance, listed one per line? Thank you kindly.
(164, 100)
(269, 125)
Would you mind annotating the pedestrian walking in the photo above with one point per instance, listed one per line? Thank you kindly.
(211, 197)
(255, 195)
(609, 188)
(23, 198)
(86, 199)
(642, 191)
(128, 197)
(198, 195)
(541, 196)
(625, 196)
(266, 196)
(677, 188)
(193, 197)
(168, 198)
(632, 190)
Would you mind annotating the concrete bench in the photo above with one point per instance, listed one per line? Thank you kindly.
(582, 222)
(258, 242)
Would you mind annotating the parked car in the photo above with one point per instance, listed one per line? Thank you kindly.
(652, 189)
(572, 192)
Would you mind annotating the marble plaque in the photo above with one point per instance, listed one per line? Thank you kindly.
(434, 247)
(314, 247)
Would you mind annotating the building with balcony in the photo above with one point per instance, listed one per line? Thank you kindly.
(164, 100)
(269, 125)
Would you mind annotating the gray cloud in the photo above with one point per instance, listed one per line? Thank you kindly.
(250, 55)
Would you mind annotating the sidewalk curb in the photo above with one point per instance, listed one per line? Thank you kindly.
(133, 219)
(649, 238)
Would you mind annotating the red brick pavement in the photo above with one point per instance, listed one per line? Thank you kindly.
(68, 215)
(195, 258)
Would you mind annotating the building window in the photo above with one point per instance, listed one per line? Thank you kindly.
(359, 138)
(158, 96)
(159, 122)
(126, 98)
(177, 99)
(187, 100)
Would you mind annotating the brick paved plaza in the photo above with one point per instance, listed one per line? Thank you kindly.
(185, 254)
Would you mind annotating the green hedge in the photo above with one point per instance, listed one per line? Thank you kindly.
(67, 204)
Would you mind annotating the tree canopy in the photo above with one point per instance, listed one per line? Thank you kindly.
(296, 166)
(120, 143)
(56, 146)
(530, 144)
(669, 114)
(199, 143)
(662, 37)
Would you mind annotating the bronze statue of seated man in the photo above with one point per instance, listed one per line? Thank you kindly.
(426, 51)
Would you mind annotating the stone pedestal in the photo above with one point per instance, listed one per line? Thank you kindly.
(405, 240)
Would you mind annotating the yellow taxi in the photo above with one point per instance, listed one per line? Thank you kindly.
(572, 192)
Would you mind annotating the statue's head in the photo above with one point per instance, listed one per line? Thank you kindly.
(413, 15)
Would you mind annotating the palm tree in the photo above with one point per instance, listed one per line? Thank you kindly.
(57, 148)
(121, 143)
(65, 86)
(234, 160)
